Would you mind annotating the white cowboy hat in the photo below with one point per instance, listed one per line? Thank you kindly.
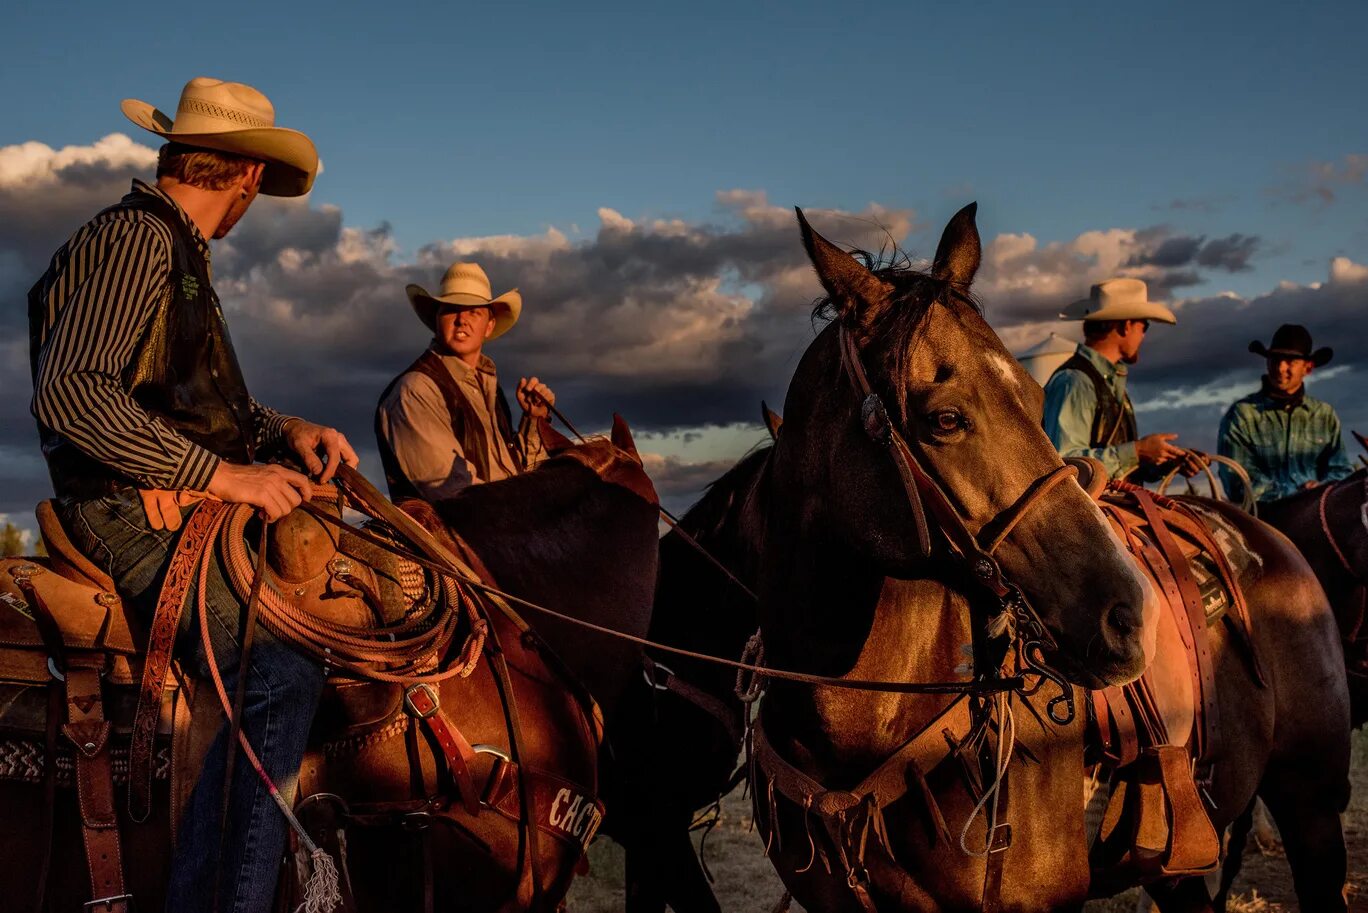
(1118, 299)
(232, 117)
(466, 285)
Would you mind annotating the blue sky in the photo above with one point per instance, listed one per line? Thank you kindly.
(451, 119)
(631, 168)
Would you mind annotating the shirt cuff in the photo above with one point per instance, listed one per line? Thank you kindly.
(195, 470)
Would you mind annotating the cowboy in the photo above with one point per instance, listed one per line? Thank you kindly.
(1285, 439)
(444, 423)
(136, 386)
(1087, 409)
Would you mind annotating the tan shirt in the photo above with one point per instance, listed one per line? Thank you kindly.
(415, 420)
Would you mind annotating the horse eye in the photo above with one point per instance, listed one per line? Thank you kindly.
(948, 421)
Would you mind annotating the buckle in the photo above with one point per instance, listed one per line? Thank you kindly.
(428, 694)
(108, 903)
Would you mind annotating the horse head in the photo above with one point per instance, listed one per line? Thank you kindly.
(970, 417)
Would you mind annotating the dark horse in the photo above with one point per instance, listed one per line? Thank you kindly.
(1330, 526)
(377, 790)
(846, 591)
(678, 749)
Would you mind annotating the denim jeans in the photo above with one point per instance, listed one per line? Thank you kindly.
(283, 689)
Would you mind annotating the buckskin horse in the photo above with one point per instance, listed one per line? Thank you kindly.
(912, 471)
(468, 793)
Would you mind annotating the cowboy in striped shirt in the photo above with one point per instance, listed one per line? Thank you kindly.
(140, 399)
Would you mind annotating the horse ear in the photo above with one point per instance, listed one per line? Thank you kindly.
(773, 420)
(959, 253)
(854, 289)
(552, 439)
(621, 436)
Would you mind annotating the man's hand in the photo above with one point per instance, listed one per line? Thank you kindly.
(306, 439)
(273, 489)
(535, 397)
(1154, 449)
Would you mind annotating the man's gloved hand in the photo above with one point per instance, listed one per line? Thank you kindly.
(163, 506)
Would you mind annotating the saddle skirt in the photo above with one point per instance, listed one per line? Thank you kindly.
(1151, 743)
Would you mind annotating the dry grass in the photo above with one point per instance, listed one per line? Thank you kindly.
(746, 883)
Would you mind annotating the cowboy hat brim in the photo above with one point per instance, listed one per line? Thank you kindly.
(1089, 309)
(1318, 357)
(290, 156)
(507, 307)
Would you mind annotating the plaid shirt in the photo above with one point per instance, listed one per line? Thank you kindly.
(1282, 446)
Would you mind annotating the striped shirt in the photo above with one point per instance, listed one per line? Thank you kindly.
(104, 286)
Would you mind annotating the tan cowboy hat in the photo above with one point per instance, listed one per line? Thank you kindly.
(232, 117)
(1118, 299)
(466, 285)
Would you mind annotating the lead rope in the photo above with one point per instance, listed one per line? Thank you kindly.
(1005, 746)
(322, 890)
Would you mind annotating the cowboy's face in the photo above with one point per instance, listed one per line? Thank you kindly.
(246, 191)
(1286, 372)
(463, 330)
(1132, 335)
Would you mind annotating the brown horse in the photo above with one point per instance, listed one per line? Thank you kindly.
(845, 591)
(414, 824)
(1330, 526)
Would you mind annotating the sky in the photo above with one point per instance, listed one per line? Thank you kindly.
(632, 168)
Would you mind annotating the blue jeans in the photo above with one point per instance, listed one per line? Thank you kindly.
(283, 689)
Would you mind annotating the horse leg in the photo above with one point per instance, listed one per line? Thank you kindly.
(1181, 895)
(1306, 808)
(1234, 854)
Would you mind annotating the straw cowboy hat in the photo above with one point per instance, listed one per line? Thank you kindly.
(232, 117)
(1118, 299)
(1293, 341)
(466, 285)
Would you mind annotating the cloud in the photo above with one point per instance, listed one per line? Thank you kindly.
(679, 325)
(1322, 182)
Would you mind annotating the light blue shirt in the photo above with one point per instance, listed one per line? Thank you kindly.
(1071, 405)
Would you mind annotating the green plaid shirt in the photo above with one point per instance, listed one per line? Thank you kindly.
(1282, 447)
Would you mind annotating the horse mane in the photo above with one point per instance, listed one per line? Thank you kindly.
(897, 326)
(721, 497)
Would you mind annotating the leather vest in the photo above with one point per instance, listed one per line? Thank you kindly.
(1114, 420)
(465, 429)
(183, 371)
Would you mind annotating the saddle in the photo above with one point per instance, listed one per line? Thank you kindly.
(1153, 741)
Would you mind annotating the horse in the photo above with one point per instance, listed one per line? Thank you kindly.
(683, 722)
(904, 801)
(1329, 524)
(472, 793)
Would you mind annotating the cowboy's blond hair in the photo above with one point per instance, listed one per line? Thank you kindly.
(203, 168)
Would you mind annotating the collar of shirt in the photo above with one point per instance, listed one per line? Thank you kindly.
(142, 187)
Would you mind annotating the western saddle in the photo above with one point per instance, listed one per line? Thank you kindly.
(71, 664)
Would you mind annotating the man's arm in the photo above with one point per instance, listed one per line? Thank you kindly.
(1235, 442)
(1335, 458)
(1070, 404)
(78, 389)
(417, 426)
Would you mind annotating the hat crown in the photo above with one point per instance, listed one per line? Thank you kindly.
(210, 105)
(466, 279)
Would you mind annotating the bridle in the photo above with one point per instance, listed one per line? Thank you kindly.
(976, 553)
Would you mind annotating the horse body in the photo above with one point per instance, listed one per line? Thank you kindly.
(1335, 544)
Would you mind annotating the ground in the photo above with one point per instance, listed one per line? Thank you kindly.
(745, 882)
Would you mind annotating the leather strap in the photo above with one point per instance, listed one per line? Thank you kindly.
(161, 642)
(421, 701)
(1207, 732)
(88, 730)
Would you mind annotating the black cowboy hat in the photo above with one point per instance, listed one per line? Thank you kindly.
(1294, 341)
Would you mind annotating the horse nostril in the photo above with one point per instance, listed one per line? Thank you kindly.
(1124, 619)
